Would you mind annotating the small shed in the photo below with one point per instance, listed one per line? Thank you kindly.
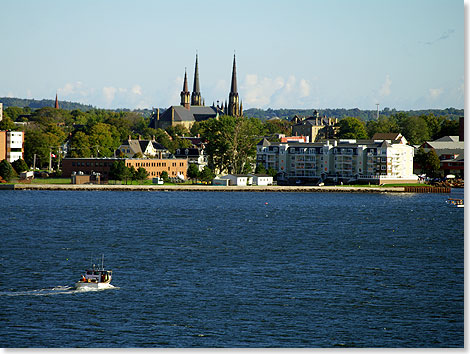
(237, 180)
(261, 179)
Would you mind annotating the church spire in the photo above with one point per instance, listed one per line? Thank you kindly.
(56, 102)
(185, 95)
(233, 88)
(233, 106)
(196, 95)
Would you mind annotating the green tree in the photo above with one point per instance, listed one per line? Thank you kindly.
(207, 174)
(272, 172)
(415, 130)
(428, 161)
(177, 130)
(449, 128)
(141, 174)
(20, 165)
(118, 170)
(231, 142)
(104, 139)
(6, 170)
(384, 124)
(260, 169)
(351, 128)
(193, 171)
(80, 145)
(7, 124)
(164, 176)
(433, 164)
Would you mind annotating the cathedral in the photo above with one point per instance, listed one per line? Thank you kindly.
(192, 108)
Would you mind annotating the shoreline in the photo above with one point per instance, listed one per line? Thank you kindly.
(210, 188)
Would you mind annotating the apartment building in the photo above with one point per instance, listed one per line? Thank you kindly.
(11, 145)
(375, 161)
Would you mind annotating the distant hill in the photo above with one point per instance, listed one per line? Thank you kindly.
(262, 114)
(366, 115)
(35, 104)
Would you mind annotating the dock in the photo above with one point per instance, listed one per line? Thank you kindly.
(210, 188)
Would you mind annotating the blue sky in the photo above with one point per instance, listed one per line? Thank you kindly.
(403, 54)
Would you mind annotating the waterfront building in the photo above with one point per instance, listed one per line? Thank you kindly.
(450, 150)
(176, 168)
(235, 179)
(314, 127)
(374, 161)
(192, 108)
(11, 145)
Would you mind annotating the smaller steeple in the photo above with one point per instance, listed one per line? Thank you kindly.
(196, 95)
(185, 95)
(56, 102)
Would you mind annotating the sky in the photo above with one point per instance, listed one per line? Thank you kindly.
(402, 54)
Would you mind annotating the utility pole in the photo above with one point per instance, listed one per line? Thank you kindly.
(34, 163)
(377, 104)
(50, 159)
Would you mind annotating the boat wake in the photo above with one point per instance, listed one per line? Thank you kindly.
(58, 290)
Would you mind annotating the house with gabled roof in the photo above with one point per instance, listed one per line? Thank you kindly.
(146, 148)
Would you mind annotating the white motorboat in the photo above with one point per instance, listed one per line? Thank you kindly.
(95, 278)
(456, 202)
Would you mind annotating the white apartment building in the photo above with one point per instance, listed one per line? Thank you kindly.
(11, 145)
(375, 161)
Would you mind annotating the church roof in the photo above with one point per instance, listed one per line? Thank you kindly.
(194, 113)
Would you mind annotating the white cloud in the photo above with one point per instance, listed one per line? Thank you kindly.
(109, 92)
(136, 90)
(275, 92)
(385, 89)
(435, 92)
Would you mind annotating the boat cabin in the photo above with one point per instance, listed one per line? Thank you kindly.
(97, 276)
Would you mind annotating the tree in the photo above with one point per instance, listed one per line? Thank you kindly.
(131, 174)
(260, 169)
(118, 170)
(231, 142)
(415, 130)
(6, 170)
(20, 165)
(104, 139)
(207, 174)
(383, 125)
(193, 171)
(449, 128)
(164, 176)
(141, 174)
(351, 128)
(80, 145)
(428, 161)
(433, 164)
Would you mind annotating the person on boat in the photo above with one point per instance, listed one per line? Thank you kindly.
(83, 278)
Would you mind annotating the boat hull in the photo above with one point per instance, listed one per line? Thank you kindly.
(92, 286)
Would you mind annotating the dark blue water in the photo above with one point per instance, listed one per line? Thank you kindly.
(232, 269)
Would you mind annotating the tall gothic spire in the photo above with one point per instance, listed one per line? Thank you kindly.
(56, 102)
(233, 106)
(196, 95)
(185, 95)
(233, 88)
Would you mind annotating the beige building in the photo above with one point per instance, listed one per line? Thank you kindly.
(176, 168)
(314, 127)
(375, 161)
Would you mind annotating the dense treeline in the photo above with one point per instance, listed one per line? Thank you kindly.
(365, 115)
(231, 141)
(416, 129)
(98, 133)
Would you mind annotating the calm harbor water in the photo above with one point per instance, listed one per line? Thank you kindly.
(208, 269)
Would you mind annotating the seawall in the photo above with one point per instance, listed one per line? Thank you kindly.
(204, 188)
